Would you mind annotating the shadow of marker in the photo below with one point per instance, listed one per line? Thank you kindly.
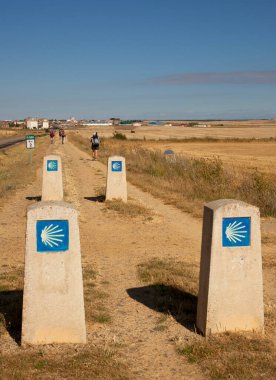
(11, 303)
(34, 198)
(99, 198)
(168, 300)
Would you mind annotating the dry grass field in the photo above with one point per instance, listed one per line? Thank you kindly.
(7, 133)
(260, 154)
(247, 150)
(248, 129)
(141, 259)
(15, 170)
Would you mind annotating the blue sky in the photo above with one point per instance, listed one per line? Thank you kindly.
(163, 59)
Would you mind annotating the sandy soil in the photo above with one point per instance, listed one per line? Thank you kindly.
(115, 245)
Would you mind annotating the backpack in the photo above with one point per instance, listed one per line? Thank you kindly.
(95, 141)
(52, 134)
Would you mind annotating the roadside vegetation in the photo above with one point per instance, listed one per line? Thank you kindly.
(119, 136)
(233, 356)
(189, 182)
(59, 362)
(172, 286)
(94, 297)
(208, 139)
(130, 209)
(54, 361)
(15, 170)
(181, 275)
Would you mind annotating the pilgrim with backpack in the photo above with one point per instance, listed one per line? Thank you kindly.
(95, 145)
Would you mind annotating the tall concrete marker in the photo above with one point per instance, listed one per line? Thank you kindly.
(52, 188)
(53, 305)
(230, 286)
(116, 185)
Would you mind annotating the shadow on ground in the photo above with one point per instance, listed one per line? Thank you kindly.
(34, 198)
(11, 303)
(99, 198)
(168, 300)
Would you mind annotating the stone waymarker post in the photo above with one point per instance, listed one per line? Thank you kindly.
(116, 185)
(52, 188)
(53, 305)
(230, 287)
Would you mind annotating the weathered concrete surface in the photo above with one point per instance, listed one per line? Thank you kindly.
(231, 287)
(53, 305)
(116, 185)
(52, 187)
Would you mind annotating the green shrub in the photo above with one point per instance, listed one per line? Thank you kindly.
(119, 136)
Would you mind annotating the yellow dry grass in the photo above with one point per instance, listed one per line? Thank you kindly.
(241, 129)
(225, 356)
(130, 209)
(15, 170)
(71, 362)
(246, 154)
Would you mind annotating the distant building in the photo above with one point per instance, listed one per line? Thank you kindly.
(96, 123)
(32, 122)
(72, 120)
(115, 121)
(45, 124)
(4, 123)
(203, 125)
(36, 123)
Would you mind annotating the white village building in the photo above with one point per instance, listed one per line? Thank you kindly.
(36, 123)
(45, 124)
(96, 123)
(32, 123)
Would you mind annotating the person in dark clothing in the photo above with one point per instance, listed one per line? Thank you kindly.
(52, 135)
(62, 134)
(95, 145)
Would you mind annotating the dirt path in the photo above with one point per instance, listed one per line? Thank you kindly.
(114, 245)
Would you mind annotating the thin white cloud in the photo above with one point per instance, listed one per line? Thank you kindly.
(235, 77)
